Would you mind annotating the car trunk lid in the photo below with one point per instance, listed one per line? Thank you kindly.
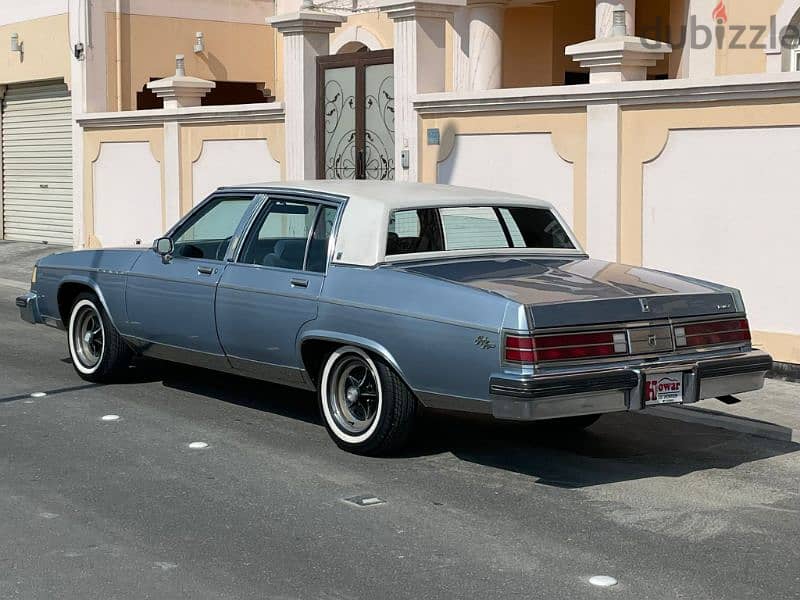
(568, 292)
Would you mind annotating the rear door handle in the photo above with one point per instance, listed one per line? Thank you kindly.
(205, 270)
(301, 283)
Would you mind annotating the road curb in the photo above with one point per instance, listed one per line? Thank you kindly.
(720, 420)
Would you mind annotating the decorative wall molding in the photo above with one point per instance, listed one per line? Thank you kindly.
(634, 93)
(242, 113)
(357, 33)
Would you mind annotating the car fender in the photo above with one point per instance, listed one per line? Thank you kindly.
(90, 283)
(351, 340)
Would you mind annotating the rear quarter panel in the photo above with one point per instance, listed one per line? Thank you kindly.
(427, 326)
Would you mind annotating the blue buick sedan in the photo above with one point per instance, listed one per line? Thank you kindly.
(387, 297)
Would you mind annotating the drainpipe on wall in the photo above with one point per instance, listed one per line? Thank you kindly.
(118, 24)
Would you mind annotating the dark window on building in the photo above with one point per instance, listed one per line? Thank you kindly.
(225, 94)
(576, 77)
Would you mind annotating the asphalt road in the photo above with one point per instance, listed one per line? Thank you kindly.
(91, 509)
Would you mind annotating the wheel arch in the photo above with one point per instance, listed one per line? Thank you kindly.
(70, 287)
(313, 347)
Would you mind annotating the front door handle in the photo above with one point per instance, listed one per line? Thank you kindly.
(205, 270)
(301, 283)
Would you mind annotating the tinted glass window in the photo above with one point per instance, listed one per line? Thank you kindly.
(280, 235)
(208, 233)
(474, 228)
(318, 250)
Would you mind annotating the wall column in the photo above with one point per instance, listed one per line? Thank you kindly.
(603, 171)
(700, 62)
(486, 44)
(306, 35)
(419, 67)
(460, 39)
(615, 55)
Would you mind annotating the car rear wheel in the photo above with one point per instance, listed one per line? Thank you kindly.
(98, 352)
(366, 406)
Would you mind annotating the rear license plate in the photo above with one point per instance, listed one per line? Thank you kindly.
(663, 388)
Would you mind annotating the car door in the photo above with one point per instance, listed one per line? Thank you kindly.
(170, 302)
(273, 286)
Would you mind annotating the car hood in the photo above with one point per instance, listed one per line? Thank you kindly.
(111, 259)
(557, 289)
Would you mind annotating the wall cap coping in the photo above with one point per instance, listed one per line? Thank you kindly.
(630, 93)
(306, 21)
(240, 113)
(399, 10)
(618, 51)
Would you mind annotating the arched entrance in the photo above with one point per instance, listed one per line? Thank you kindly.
(355, 114)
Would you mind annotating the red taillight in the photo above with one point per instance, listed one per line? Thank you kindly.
(571, 346)
(519, 349)
(712, 333)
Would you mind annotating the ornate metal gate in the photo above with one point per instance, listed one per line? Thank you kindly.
(355, 116)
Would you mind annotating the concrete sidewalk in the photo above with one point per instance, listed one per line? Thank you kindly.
(773, 412)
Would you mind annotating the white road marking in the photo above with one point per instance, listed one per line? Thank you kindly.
(109, 418)
(603, 581)
(198, 445)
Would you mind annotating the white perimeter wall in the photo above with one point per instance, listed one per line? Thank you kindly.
(127, 194)
(523, 163)
(232, 162)
(15, 11)
(722, 205)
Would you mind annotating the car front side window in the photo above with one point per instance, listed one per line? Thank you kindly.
(207, 234)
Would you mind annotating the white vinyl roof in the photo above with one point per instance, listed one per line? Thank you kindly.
(361, 239)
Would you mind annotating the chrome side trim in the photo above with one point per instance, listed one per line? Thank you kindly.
(179, 354)
(279, 374)
(444, 402)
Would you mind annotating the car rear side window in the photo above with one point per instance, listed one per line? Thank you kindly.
(474, 228)
(279, 237)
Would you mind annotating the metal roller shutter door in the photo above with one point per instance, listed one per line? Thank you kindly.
(37, 163)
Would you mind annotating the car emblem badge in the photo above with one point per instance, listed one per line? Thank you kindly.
(483, 342)
(644, 304)
(652, 341)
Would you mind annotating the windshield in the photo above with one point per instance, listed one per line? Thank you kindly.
(474, 228)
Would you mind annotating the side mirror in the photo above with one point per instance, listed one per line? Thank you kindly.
(164, 248)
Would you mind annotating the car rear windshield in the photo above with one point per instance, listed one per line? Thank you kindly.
(474, 228)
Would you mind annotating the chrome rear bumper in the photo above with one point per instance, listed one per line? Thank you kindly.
(622, 389)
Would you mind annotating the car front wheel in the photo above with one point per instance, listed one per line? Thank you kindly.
(97, 351)
(366, 406)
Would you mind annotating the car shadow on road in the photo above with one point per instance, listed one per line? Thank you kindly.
(241, 391)
(619, 447)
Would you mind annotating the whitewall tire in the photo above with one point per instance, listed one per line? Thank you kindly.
(97, 351)
(366, 407)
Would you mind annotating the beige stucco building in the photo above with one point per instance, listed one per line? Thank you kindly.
(666, 131)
